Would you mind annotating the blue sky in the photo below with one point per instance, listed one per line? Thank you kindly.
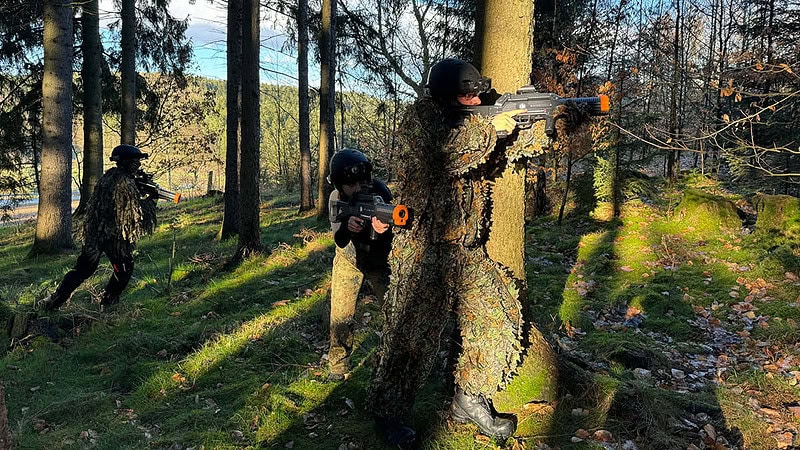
(207, 22)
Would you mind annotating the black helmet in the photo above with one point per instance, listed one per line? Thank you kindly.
(124, 152)
(349, 166)
(450, 77)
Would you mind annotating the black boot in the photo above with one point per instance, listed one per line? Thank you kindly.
(476, 409)
(50, 303)
(394, 431)
(109, 299)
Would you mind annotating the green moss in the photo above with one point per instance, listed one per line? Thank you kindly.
(706, 213)
(630, 350)
(777, 214)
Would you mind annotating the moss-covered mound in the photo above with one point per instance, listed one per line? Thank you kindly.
(778, 213)
(707, 213)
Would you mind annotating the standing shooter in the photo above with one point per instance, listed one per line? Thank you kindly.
(119, 212)
(446, 168)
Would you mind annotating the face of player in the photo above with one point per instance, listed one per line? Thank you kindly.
(130, 165)
(470, 99)
(349, 189)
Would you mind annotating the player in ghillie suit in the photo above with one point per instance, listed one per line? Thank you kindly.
(446, 167)
(117, 215)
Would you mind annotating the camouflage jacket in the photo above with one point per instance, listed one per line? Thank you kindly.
(117, 215)
(442, 166)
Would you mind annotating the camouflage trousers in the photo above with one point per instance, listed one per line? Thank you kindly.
(427, 284)
(346, 281)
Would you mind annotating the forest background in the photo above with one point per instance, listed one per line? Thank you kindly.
(659, 220)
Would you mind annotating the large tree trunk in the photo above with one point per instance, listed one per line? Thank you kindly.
(92, 101)
(231, 219)
(504, 45)
(54, 223)
(327, 93)
(250, 232)
(306, 199)
(128, 69)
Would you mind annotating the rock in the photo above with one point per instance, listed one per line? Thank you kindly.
(710, 431)
(603, 436)
(582, 434)
(642, 374)
(678, 374)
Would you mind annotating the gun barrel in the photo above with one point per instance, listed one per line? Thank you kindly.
(174, 197)
(397, 215)
(598, 106)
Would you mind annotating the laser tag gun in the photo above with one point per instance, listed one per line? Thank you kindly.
(368, 205)
(539, 106)
(145, 183)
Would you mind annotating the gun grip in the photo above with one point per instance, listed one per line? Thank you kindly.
(550, 126)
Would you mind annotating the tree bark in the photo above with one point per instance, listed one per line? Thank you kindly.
(91, 72)
(306, 198)
(327, 101)
(54, 223)
(231, 218)
(128, 69)
(504, 46)
(250, 232)
(5, 431)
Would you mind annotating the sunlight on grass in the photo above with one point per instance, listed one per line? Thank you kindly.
(261, 266)
(212, 353)
(593, 256)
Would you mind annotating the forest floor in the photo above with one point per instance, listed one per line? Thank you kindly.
(676, 327)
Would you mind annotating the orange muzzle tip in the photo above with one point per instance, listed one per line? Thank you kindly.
(605, 103)
(400, 215)
(177, 198)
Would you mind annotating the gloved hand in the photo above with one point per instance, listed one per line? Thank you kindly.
(504, 123)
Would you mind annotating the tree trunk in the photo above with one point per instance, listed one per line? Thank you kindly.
(92, 102)
(504, 45)
(5, 430)
(672, 161)
(327, 100)
(250, 232)
(304, 119)
(128, 69)
(54, 223)
(231, 218)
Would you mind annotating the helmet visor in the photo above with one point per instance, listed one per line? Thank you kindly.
(358, 172)
(478, 86)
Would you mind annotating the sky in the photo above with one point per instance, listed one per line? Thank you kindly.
(207, 22)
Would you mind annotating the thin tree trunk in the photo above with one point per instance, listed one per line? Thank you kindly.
(128, 69)
(304, 119)
(92, 102)
(566, 188)
(231, 219)
(671, 170)
(5, 430)
(327, 102)
(249, 234)
(504, 45)
(54, 222)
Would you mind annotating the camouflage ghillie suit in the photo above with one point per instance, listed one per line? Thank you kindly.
(357, 259)
(116, 217)
(446, 169)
